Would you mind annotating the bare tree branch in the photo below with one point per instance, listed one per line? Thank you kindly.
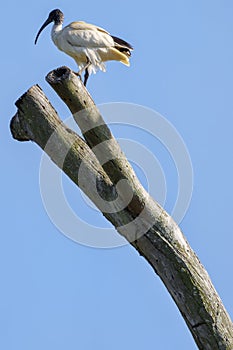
(123, 201)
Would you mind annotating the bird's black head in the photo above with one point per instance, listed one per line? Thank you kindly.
(55, 16)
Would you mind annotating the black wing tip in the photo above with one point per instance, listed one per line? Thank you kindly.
(122, 42)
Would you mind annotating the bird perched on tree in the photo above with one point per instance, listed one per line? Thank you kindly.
(89, 45)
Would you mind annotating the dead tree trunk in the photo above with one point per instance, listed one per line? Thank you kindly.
(112, 185)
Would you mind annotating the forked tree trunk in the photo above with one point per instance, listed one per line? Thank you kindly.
(110, 182)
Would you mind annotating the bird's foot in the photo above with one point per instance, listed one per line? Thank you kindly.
(79, 74)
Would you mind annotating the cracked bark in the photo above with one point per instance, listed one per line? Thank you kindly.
(134, 214)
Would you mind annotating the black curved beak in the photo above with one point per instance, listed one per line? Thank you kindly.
(42, 27)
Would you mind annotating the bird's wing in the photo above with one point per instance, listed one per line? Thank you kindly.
(83, 25)
(82, 34)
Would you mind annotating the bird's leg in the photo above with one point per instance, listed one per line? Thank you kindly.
(79, 73)
(86, 76)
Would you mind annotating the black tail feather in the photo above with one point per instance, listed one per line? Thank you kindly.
(122, 43)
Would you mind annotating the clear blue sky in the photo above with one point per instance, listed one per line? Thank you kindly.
(57, 294)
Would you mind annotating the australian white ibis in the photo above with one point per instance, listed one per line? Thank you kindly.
(89, 45)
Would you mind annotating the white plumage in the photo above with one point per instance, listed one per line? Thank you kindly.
(89, 45)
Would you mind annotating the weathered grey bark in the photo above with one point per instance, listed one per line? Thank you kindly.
(123, 201)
